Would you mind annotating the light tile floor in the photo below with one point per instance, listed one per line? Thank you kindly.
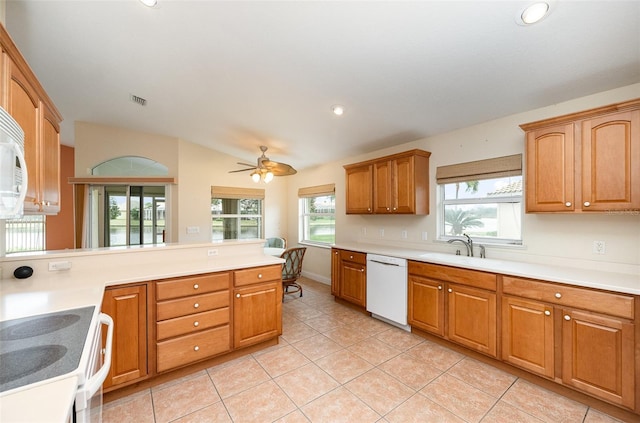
(334, 364)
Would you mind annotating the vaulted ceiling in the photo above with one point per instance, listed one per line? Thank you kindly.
(234, 75)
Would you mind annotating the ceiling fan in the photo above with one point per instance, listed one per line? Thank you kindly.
(266, 169)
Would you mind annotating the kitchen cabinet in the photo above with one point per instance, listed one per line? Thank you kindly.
(585, 162)
(595, 330)
(192, 319)
(257, 305)
(127, 306)
(395, 184)
(349, 276)
(457, 304)
(25, 99)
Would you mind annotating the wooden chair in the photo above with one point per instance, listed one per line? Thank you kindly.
(276, 242)
(291, 269)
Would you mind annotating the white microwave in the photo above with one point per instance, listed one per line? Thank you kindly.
(13, 168)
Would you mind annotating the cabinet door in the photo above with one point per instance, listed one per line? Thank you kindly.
(550, 169)
(598, 356)
(472, 318)
(24, 107)
(353, 283)
(335, 272)
(359, 190)
(426, 304)
(611, 162)
(257, 313)
(527, 335)
(128, 308)
(382, 187)
(404, 190)
(50, 163)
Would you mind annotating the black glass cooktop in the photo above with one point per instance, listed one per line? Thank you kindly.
(41, 347)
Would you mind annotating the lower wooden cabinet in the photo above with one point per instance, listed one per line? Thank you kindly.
(349, 276)
(127, 306)
(472, 318)
(426, 304)
(257, 305)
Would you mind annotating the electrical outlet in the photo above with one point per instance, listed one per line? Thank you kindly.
(424, 235)
(381, 232)
(212, 252)
(364, 231)
(59, 265)
(193, 229)
(404, 234)
(598, 247)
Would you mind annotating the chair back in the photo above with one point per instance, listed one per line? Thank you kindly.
(292, 267)
(276, 242)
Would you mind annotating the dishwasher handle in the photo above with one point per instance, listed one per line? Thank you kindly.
(382, 262)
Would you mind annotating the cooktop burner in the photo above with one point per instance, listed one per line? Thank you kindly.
(41, 347)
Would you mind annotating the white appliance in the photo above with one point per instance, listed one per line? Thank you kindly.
(88, 404)
(387, 289)
(13, 168)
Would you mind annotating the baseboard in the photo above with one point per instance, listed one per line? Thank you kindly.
(316, 277)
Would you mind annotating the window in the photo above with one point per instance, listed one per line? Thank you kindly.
(25, 234)
(318, 214)
(482, 199)
(236, 213)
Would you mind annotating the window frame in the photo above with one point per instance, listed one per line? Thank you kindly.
(304, 196)
(238, 194)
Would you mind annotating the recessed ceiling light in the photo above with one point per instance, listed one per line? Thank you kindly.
(533, 13)
(338, 110)
(149, 3)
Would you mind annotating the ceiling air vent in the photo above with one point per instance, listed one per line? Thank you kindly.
(141, 101)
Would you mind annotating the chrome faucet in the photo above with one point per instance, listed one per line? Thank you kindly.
(470, 243)
(466, 244)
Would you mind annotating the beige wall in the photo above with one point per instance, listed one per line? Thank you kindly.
(561, 239)
(195, 168)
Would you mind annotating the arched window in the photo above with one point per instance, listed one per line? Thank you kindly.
(130, 166)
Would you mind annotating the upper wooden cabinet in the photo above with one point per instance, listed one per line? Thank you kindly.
(585, 162)
(396, 184)
(25, 99)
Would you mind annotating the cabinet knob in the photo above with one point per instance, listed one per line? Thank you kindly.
(196, 348)
(196, 324)
(449, 290)
(439, 286)
(362, 270)
(547, 313)
(195, 286)
(196, 305)
(567, 317)
(259, 275)
(568, 204)
(395, 208)
(351, 257)
(558, 295)
(387, 208)
(237, 295)
(368, 208)
(587, 204)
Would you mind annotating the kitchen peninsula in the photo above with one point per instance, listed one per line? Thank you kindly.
(231, 277)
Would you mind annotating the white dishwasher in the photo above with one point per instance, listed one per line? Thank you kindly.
(387, 289)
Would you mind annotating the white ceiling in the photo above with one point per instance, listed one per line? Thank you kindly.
(237, 75)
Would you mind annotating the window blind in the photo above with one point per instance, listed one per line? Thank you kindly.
(480, 169)
(237, 193)
(318, 190)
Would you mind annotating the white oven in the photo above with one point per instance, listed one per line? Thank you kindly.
(88, 403)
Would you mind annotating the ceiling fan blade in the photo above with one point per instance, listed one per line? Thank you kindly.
(279, 169)
(241, 170)
(246, 164)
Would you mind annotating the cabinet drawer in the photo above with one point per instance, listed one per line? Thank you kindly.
(257, 275)
(352, 256)
(192, 323)
(194, 304)
(454, 274)
(597, 301)
(190, 348)
(182, 287)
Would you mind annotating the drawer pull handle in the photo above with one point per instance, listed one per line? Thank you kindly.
(587, 204)
(196, 324)
(558, 295)
(547, 313)
(568, 204)
(439, 286)
(259, 275)
(195, 286)
(237, 295)
(567, 317)
(196, 305)
(450, 290)
(196, 348)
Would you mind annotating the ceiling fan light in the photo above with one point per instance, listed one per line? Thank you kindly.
(338, 110)
(534, 13)
(268, 177)
(149, 3)
(255, 176)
